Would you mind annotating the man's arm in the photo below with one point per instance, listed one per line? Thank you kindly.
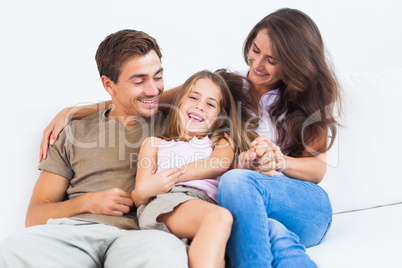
(49, 192)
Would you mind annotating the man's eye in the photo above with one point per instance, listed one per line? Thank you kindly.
(138, 82)
(159, 78)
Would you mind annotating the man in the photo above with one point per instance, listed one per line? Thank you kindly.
(81, 213)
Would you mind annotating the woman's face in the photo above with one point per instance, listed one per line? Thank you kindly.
(263, 66)
(200, 108)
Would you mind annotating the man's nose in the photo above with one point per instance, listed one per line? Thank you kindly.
(151, 89)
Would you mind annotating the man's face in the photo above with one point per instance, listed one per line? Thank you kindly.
(138, 87)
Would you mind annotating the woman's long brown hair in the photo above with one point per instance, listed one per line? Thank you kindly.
(303, 115)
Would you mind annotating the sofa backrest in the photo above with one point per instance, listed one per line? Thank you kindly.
(364, 166)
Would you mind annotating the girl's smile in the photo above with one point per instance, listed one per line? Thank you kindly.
(200, 108)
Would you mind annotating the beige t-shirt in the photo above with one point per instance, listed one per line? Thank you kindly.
(96, 154)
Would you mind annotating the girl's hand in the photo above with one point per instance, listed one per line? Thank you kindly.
(52, 131)
(270, 156)
(158, 183)
(247, 159)
(259, 160)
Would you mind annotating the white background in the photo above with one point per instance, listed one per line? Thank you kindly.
(47, 47)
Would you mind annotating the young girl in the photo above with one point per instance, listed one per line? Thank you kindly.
(202, 137)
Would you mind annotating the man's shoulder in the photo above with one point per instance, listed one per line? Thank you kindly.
(83, 126)
(95, 117)
(87, 121)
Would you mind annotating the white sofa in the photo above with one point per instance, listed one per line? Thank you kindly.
(363, 177)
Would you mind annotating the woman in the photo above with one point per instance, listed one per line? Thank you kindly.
(297, 91)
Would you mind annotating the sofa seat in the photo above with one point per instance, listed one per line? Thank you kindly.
(364, 238)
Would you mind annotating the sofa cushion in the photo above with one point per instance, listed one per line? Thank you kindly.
(367, 238)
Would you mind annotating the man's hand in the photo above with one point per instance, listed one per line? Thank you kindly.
(114, 202)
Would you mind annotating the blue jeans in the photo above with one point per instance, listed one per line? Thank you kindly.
(274, 218)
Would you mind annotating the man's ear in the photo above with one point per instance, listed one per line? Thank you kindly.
(108, 85)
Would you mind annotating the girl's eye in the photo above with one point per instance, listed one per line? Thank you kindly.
(193, 98)
(211, 105)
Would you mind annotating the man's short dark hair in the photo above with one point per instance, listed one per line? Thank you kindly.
(118, 47)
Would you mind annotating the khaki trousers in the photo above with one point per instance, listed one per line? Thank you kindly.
(81, 244)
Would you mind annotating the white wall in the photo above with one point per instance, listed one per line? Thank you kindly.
(47, 50)
(47, 47)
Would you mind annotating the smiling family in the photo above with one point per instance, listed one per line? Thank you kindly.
(210, 188)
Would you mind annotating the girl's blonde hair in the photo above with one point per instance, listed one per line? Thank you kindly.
(228, 122)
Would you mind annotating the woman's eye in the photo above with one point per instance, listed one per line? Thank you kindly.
(255, 51)
(270, 61)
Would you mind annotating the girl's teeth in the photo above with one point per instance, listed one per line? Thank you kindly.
(195, 117)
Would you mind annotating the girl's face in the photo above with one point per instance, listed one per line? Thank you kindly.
(200, 108)
(263, 67)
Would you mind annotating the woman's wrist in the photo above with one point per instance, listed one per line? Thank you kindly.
(69, 113)
(285, 164)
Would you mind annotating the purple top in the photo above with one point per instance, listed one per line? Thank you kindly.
(179, 153)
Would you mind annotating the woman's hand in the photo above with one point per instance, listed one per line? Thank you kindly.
(263, 156)
(52, 131)
(58, 123)
(270, 154)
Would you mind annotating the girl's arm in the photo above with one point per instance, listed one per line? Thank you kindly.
(149, 184)
(211, 167)
(52, 131)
